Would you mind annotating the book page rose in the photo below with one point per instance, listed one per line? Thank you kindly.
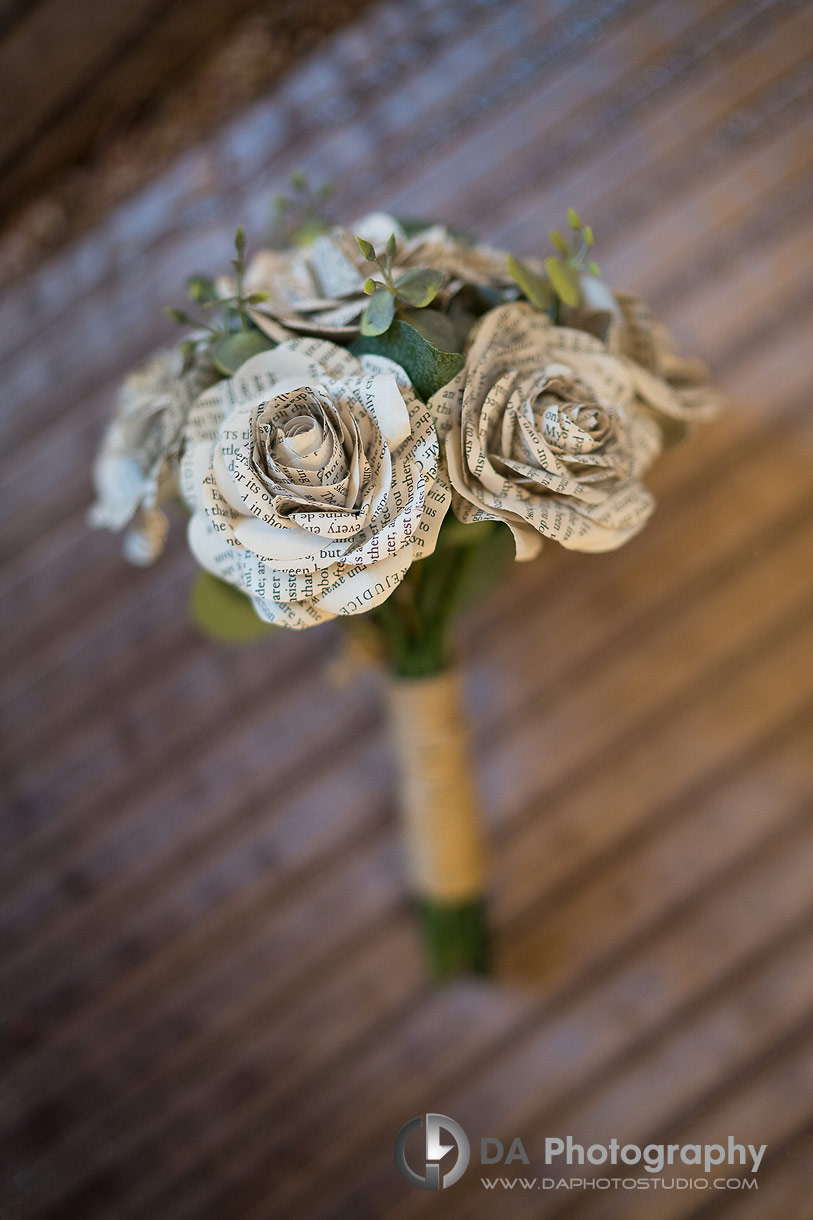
(313, 480)
(134, 469)
(542, 431)
(319, 289)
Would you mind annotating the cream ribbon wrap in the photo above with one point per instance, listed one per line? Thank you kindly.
(442, 826)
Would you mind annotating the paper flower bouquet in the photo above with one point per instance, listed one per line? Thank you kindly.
(368, 424)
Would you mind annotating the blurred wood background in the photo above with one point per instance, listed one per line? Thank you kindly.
(213, 1006)
(81, 68)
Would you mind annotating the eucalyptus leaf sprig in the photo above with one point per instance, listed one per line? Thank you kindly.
(563, 269)
(300, 217)
(239, 265)
(240, 302)
(414, 289)
(233, 336)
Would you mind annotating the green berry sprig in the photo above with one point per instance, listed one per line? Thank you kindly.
(562, 269)
(571, 259)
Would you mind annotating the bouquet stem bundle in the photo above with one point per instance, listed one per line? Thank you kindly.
(443, 830)
(442, 824)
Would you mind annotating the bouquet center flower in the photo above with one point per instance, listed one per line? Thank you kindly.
(570, 417)
(304, 450)
(301, 443)
(314, 481)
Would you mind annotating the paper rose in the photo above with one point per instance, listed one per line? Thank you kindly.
(313, 480)
(134, 469)
(543, 431)
(319, 289)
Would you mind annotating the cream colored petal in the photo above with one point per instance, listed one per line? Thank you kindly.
(446, 405)
(222, 516)
(270, 326)
(289, 550)
(372, 365)
(194, 466)
(331, 360)
(437, 500)
(527, 541)
(210, 550)
(360, 589)
(294, 615)
(382, 399)
(656, 393)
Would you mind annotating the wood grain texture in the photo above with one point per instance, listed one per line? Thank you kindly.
(212, 1003)
(86, 72)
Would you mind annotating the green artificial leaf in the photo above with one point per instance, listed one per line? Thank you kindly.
(428, 367)
(224, 613)
(533, 287)
(378, 313)
(230, 351)
(573, 218)
(558, 242)
(564, 281)
(367, 249)
(419, 287)
(443, 332)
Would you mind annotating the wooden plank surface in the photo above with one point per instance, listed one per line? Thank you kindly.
(79, 79)
(212, 1001)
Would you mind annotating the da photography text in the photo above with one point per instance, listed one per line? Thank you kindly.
(433, 1151)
